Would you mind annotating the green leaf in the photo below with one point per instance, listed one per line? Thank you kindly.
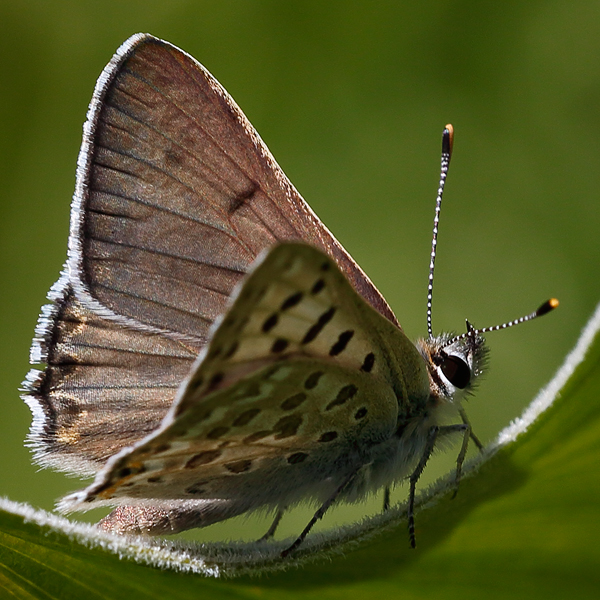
(525, 524)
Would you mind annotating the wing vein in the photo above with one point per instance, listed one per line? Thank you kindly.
(155, 302)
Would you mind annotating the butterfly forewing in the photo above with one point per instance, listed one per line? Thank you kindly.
(295, 372)
(178, 195)
(95, 397)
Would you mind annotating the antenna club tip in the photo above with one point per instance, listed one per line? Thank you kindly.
(448, 139)
(548, 306)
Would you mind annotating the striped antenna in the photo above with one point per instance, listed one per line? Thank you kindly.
(447, 143)
(544, 309)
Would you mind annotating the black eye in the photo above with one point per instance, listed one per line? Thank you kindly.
(457, 371)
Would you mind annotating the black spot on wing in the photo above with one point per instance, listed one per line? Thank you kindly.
(232, 350)
(293, 401)
(256, 436)
(201, 417)
(214, 353)
(342, 342)
(252, 389)
(360, 413)
(313, 379)
(297, 457)
(329, 436)
(203, 458)
(215, 380)
(368, 363)
(272, 371)
(287, 426)
(291, 301)
(315, 329)
(279, 345)
(246, 417)
(240, 466)
(345, 394)
(217, 432)
(317, 287)
(197, 489)
(195, 384)
(243, 197)
(270, 322)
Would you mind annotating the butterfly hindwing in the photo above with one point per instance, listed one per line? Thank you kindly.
(280, 393)
(295, 303)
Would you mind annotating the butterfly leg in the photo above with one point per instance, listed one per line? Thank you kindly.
(271, 531)
(416, 474)
(465, 420)
(319, 514)
(386, 499)
(460, 459)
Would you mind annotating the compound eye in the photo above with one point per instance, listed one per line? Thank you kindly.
(457, 371)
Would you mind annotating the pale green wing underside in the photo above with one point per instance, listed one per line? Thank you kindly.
(299, 368)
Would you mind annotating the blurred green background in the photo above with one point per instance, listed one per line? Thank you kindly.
(351, 98)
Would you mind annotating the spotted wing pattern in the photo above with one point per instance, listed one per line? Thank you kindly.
(296, 376)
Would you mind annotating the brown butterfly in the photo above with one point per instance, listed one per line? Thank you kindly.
(210, 347)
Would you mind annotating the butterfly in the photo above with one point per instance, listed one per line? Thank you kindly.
(210, 348)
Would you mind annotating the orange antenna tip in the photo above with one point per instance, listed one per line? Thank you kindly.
(449, 133)
(547, 307)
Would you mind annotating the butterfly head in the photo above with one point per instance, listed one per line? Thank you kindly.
(454, 362)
